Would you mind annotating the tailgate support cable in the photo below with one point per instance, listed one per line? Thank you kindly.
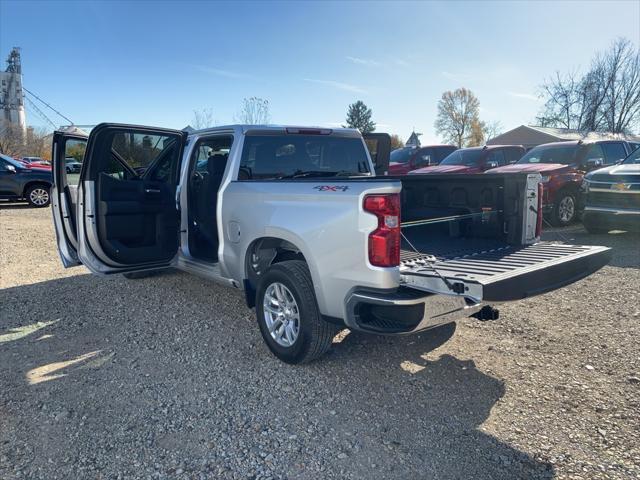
(429, 260)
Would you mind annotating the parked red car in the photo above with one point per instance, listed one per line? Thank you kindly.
(475, 159)
(35, 162)
(562, 166)
(405, 159)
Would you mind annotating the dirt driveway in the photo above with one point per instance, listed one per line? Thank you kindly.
(168, 377)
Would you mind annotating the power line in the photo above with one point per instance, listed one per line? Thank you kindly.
(36, 96)
(40, 112)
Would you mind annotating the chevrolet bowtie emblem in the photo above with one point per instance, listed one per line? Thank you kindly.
(621, 186)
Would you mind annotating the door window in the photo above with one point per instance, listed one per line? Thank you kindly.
(425, 157)
(496, 158)
(595, 152)
(513, 154)
(74, 149)
(613, 152)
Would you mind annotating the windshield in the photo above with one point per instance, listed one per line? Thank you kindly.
(271, 157)
(468, 157)
(564, 154)
(633, 158)
(13, 162)
(402, 155)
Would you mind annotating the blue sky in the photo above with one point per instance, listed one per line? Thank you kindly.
(153, 63)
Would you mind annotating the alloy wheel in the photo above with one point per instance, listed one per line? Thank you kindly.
(566, 209)
(39, 196)
(281, 314)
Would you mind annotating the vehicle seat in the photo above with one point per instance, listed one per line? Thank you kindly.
(208, 200)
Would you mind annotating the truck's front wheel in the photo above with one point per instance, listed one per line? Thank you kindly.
(288, 314)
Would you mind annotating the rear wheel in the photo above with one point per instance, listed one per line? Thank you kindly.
(288, 314)
(564, 209)
(38, 196)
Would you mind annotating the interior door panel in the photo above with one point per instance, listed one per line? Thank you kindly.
(137, 219)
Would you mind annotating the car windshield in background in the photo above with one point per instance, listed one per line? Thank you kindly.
(633, 158)
(401, 155)
(463, 157)
(564, 154)
(297, 156)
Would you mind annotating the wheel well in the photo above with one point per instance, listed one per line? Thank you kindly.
(33, 184)
(261, 254)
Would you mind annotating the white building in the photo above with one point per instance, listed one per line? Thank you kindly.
(530, 136)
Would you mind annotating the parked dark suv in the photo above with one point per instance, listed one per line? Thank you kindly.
(19, 182)
(405, 159)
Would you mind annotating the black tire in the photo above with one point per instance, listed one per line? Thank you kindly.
(559, 215)
(38, 195)
(315, 334)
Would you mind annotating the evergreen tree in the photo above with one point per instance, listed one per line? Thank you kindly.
(359, 116)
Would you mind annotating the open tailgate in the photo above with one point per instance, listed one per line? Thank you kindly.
(503, 274)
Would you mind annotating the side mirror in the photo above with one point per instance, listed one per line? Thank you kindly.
(593, 163)
(492, 165)
(10, 168)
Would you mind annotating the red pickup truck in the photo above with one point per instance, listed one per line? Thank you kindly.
(476, 159)
(563, 166)
(405, 159)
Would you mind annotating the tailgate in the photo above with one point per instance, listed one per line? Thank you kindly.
(503, 274)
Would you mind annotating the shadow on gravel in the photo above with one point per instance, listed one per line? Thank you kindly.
(625, 245)
(174, 367)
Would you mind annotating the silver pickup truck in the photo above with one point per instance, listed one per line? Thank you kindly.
(298, 220)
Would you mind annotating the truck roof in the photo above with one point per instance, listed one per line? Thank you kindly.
(272, 129)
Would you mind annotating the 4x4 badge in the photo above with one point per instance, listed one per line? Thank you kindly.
(331, 188)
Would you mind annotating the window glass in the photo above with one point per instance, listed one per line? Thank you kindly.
(563, 154)
(595, 152)
(441, 153)
(497, 157)
(513, 154)
(634, 157)
(464, 156)
(73, 156)
(402, 155)
(294, 156)
(137, 154)
(425, 157)
(613, 152)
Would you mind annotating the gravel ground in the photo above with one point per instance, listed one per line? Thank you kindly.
(168, 377)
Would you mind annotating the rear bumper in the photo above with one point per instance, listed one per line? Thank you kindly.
(622, 218)
(404, 310)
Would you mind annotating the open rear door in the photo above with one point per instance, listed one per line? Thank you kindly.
(127, 218)
(379, 145)
(68, 149)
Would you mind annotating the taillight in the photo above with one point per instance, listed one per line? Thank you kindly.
(539, 217)
(384, 241)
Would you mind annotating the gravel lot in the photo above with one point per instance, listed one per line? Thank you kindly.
(168, 377)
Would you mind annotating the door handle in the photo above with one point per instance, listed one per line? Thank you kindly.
(152, 190)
